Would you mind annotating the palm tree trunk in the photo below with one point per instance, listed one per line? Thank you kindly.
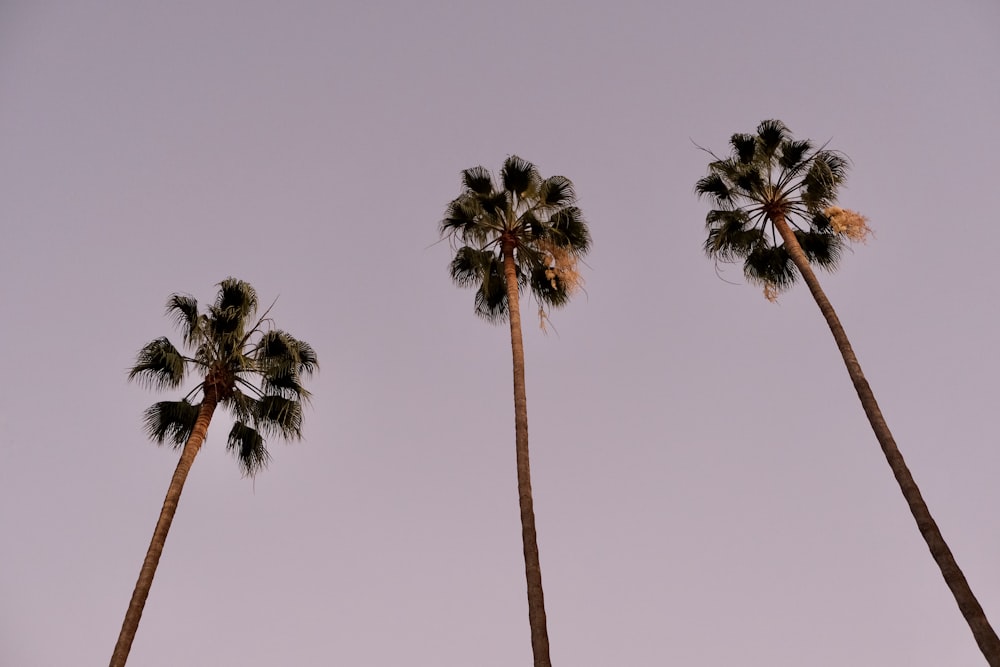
(973, 612)
(142, 586)
(532, 566)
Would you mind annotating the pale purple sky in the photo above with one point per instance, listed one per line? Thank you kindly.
(708, 491)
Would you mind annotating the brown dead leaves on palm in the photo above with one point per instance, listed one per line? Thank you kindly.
(771, 292)
(850, 223)
(561, 270)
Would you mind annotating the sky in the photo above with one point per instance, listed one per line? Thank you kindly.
(707, 488)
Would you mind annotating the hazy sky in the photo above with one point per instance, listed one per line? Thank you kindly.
(708, 491)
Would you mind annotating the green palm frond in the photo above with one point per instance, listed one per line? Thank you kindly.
(793, 154)
(826, 174)
(770, 265)
(282, 360)
(770, 175)
(464, 218)
(281, 350)
(170, 421)
(821, 247)
(158, 365)
(478, 181)
(568, 229)
(249, 447)
(277, 415)
(771, 136)
(556, 191)
(242, 405)
(234, 306)
(715, 188)
(730, 237)
(471, 266)
(519, 176)
(483, 269)
(491, 299)
(744, 147)
(237, 296)
(184, 310)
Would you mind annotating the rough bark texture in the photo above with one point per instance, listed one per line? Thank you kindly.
(532, 567)
(973, 612)
(142, 586)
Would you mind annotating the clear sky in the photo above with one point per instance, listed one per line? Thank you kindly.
(708, 491)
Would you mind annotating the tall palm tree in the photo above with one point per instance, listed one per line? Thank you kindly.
(525, 233)
(773, 187)
(244, 365)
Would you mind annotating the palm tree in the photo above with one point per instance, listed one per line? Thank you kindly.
(526, 233)
(245, 365)
(772, 186)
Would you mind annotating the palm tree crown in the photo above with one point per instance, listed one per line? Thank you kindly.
(535, 220)
(245, 365)
(770, 176)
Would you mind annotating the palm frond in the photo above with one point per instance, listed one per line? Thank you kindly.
(729, 239)
(462, 218)
(470, 266)
(478, 180)
(568, 229)
(308, 361)
(491, 298)
(821, 248)
(281, 360)
(158, 365)
(170, 421)
(744, 147)
(495, 208)
(793, 153)
(519, 176)
(771, 134)
(556, 191)
(184, 311)
(249, 447)
(235, 304)
(277, 415)
(769, 265)
(242, 406)
(716, 188)
(282, 350)
(826, 174)
(238, 296)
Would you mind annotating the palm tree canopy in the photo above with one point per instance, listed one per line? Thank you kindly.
(534, 219)
(770, 175)
(244, 364)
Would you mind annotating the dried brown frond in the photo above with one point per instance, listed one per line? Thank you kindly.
(771, 292)
(561, 263)
(850, 223)
(543, 320)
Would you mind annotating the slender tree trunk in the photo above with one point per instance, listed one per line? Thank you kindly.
(532, 566)
(973, 612)
(142, 586)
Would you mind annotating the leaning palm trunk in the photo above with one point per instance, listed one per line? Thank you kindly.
(973, 612)
(532, 566)
(142, 586)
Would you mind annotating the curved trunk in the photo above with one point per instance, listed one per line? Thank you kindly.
(532, 567)
(142, 586)
(973, 612)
